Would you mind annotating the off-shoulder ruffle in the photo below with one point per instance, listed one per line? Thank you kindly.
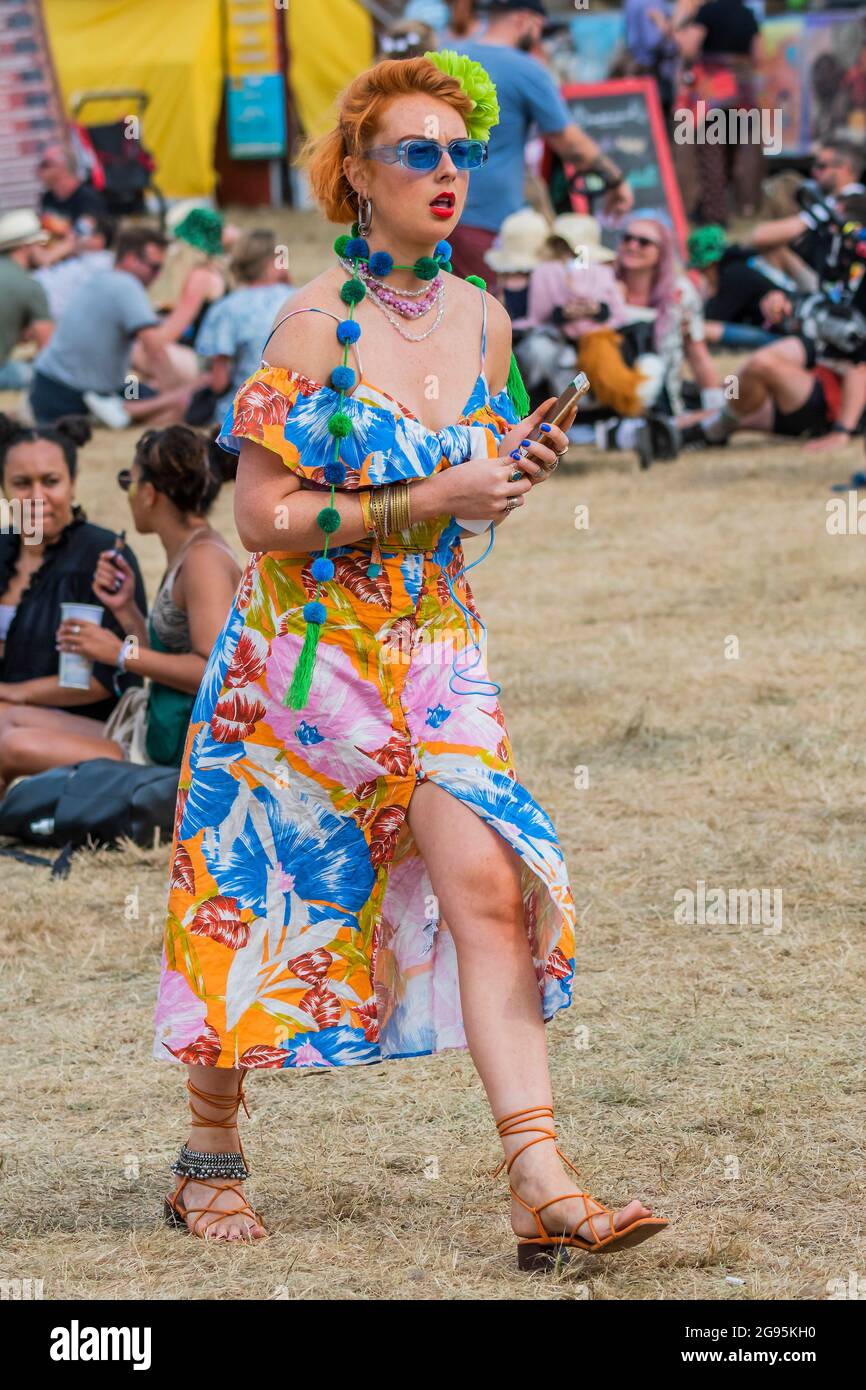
(289, 412)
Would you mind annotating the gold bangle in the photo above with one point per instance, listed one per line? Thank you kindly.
(388, 509)
(405, 489)
(364, 499)
(377, 512)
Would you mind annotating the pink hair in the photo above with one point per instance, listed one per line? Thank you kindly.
(663, 291)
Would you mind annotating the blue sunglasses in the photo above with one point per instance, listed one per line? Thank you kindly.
(424, 155)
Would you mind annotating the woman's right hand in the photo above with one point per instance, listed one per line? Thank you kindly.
(111, 567)
(480, 489)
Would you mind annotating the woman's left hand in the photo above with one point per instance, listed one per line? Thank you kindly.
(542, 455)
(89, 640)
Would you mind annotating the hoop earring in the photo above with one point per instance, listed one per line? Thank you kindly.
(365, 216)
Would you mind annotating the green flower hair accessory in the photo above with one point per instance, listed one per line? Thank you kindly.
(477, 84)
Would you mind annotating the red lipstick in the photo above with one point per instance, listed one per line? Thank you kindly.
(442, 205)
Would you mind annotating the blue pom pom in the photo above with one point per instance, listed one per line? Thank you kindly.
(315, 612)
(443, 251)
(348, 331)
(342, 378)
(381, 264)
(356, 249)
(322, 569)
(334, 472)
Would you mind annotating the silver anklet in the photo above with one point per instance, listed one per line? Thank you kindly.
(192, 1164)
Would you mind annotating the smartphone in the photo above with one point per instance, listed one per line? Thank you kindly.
(560, 408)
(119, 542)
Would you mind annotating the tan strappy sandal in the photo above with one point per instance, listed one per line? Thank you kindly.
(219, 1171)
(544, 1250)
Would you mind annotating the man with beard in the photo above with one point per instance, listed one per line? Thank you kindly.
(528, 97)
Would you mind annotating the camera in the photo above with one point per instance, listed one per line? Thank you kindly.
(834, 317)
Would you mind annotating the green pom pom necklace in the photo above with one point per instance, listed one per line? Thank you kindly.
(354, 248)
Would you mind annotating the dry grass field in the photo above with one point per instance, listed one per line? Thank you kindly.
(716, 1071)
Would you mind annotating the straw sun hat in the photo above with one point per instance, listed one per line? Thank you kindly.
(520, 243)
(583, 235)
(21, 227)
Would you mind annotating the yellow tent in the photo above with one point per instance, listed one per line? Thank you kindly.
(330, 41)
(171, 49)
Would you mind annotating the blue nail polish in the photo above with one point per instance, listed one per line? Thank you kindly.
(515, 454)
(524, 443)
(545, 428)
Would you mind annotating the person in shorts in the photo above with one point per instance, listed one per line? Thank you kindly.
(86, 365)
(787, 389)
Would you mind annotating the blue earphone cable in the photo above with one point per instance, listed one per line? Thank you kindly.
(493, 687)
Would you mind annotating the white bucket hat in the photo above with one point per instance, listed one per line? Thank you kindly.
(583, 234)
(21, 227)
(520, 243)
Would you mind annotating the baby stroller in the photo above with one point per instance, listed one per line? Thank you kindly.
(113, 155)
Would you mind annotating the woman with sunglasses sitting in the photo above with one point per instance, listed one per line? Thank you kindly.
(172, 484)
(648, 268)
(48, 552)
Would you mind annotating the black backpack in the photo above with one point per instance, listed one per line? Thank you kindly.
(97, 801)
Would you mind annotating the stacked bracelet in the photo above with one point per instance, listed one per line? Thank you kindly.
(384, 510)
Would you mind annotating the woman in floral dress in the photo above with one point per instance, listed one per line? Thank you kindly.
(366, 877)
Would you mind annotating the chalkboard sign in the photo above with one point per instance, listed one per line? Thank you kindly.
(624, 118)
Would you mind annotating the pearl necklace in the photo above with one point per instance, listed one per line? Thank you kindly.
(414, 337)
(374, 281)
(372, 286)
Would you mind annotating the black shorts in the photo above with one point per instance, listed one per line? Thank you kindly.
(812, 419)
(50, 399)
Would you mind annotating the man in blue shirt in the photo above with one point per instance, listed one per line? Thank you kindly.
(528, 97)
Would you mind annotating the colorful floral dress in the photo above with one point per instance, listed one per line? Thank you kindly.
(302, 926)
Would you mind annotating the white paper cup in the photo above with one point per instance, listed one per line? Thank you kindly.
(75, 670)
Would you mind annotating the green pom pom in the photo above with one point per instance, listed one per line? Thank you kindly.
(328, 520)
(446, 265)
(341, 243)
(426, 268)
(352, 291)
(340, 424)
(476, 280)
(476, 83)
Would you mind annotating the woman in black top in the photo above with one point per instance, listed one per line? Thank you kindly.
(46, 561)
(722, 46)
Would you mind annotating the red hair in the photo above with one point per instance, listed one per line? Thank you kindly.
(361, 105)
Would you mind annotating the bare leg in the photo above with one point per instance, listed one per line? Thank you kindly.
(775, 374)
(219, 1081)
(179, 368)
(476, 878)
(30, 749)
(48, 717)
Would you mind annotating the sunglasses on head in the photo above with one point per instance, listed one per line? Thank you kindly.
(425, 155)
(638, 240)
